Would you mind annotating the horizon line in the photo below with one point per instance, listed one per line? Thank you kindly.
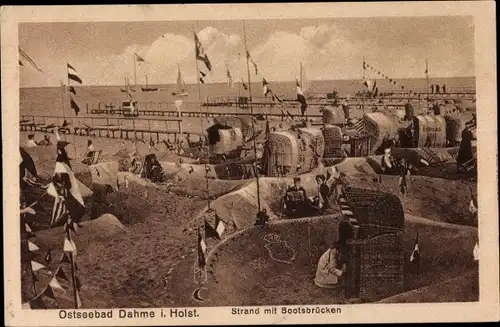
(270, 81)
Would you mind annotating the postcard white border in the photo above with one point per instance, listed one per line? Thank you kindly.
(487, 309)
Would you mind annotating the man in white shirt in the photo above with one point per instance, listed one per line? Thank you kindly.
(31, 143)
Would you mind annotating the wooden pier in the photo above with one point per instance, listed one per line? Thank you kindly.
(112, 127)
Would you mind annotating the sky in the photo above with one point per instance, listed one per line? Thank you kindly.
(102, 53)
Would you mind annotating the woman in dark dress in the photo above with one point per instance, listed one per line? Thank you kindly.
(465, 151)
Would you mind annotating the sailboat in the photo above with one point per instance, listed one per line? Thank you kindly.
(148, 89)
(181, 86)
(126, 88)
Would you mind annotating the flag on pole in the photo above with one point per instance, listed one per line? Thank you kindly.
(35, 266)
(32, 246)
(200, 52)
(473, 205)
(475, 252)
(27, 58)
(210, 231)
(364, 65)
(202, 249)
(220, 227)
(74, 106)
(415, 255)
(229, 78)
(426, 66)
(253, 63)
(265, 88)
(65, 188)
(244, 84)
(139, 58)
(301, 98)
(72, 74)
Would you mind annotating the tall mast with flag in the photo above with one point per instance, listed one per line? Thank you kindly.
(251, 111)
(427, 77)
(137, 59)
(200, 55)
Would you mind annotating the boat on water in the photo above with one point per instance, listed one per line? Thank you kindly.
(147, 88)
(127, 88)
(181, 85)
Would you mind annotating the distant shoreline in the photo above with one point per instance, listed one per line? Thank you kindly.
(255, 82)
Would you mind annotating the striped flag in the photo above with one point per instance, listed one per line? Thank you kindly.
(27, 58)
(72, 74)
(200, 52)
(65, 188)
(74, 106)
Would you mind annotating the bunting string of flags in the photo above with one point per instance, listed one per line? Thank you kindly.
(202, 56)
(372, 85)
(68, 204)
(73, 76)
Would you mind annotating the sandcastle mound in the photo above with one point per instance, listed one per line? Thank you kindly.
(97, 230)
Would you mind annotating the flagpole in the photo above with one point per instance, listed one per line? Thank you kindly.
(427, 77)
(201, 117)
(253, 122)
(362, 88)
(64, 117)
(135, 73)
(73, 268)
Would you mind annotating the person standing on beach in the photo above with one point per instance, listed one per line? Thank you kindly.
(465, 151)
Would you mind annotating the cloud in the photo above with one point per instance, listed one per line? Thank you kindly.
(327, 51)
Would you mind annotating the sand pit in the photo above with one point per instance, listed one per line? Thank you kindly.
(254, 267)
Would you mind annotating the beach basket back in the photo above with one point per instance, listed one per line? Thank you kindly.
(230, 139)
(379, 127)
(455, 125)
(333, 141)
(293, 152)
(333, 115)
(430, 131)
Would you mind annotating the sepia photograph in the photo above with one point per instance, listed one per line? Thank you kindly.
(268, 166)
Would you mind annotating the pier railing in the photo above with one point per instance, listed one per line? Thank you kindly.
(112, 126)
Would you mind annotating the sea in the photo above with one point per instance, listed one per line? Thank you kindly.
(55, 101)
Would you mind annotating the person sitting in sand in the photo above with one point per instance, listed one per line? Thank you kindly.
(31, 143)
(295, 198)
(388, 164)
(322, 200)
(89, 153)
(46, 141)
(262, 218)
(331, 268)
